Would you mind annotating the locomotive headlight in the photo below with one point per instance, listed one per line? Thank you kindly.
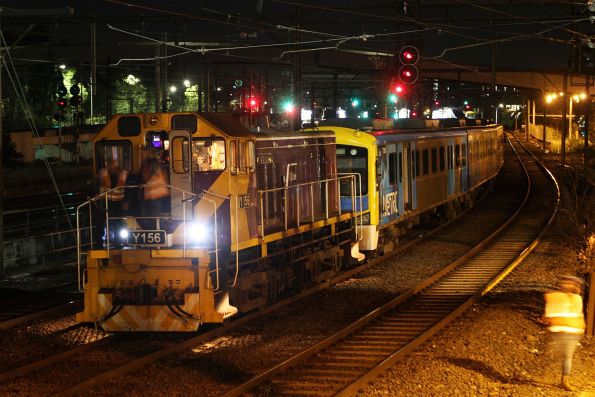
(124, 233)
(197, 232)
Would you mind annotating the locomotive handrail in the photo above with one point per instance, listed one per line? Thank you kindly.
(106, 196)
(358, 176)
(298, 186)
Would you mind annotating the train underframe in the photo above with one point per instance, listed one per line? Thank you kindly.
(447, 211)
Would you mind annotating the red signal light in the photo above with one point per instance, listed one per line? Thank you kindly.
(252, 104)
(409, 55)
(408, 74)
(61, 102)
(398, 89)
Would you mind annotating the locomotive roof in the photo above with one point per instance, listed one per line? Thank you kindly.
(227, 123)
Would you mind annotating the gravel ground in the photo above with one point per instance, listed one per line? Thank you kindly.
(503, 350)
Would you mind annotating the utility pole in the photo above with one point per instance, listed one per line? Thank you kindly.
(544, 121)
(2, 269)
(157, 77)
(564, 117)
(93, 78)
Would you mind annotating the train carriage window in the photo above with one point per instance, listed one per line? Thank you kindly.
(441, 158)
(449, 157)
(464, 155)
(426, 161)
(457, 156)
(241, 156)
(434, 160)
(234, 156)
(415, 162)
(392, 168)
(108, 151)
(208, 154)
(400, 165)
(250, 156)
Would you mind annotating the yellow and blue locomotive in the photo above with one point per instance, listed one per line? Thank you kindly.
(249, 217)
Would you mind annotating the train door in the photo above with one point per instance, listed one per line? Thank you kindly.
(404, 178)
(180, 177)
(450, 169)
(464, 165)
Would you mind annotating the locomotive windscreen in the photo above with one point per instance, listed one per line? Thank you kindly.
(353, 159)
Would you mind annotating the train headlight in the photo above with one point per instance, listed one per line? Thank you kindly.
(197, 232)
(124, 233)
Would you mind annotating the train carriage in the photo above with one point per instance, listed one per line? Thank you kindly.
(249, 217)
(411, 173)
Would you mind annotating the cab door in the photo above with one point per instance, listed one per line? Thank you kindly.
(180, 174)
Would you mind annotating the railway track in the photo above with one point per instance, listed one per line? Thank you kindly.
(110, 341)
(62, 299)
(88, 352)
(342, 363)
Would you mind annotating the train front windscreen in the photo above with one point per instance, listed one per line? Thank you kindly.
(353, 159)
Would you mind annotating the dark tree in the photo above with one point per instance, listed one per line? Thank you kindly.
(10, 156)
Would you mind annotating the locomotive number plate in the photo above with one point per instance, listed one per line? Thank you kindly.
(147, 237)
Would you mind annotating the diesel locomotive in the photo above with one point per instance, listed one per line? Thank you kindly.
(251, 216)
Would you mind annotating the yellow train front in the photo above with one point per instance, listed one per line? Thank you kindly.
(249, 217)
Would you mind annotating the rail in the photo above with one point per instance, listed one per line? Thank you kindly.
(410, 319)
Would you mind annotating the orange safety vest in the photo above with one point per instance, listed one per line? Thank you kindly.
(564, 312)
(105, 183)
(118, 194)
(156, 186)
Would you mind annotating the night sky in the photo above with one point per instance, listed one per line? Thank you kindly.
(530, 35)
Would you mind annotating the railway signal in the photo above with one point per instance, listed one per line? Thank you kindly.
(75, 99)
(408, 72)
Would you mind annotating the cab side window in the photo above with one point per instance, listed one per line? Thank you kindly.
(241, 156)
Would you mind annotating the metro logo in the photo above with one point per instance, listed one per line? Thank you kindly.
(389, 204)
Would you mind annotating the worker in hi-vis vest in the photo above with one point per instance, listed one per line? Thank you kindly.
(113, 176)
(566, 322)
(156, 188)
